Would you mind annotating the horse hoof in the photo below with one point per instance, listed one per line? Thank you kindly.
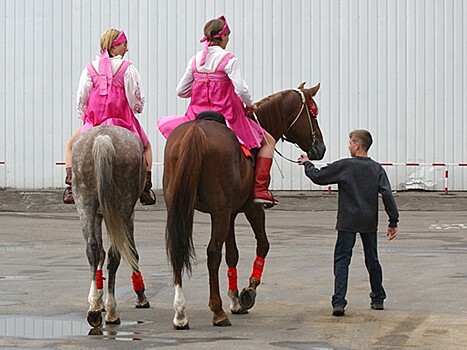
(94, 318)
(181, 328)
(224, 323)
(116, 321)
(96, 331)
(247, 298)
(143, 305)
(240, 311)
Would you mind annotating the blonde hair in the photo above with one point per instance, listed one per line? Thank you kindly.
(213, 27)
(363, 137)
(107, 39)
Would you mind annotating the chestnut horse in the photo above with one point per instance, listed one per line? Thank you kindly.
(109, 173)
(205, 169)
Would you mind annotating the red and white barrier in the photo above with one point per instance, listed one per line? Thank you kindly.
(445, 165)
(409, 164)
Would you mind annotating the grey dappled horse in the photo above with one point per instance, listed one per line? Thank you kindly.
(109, 172)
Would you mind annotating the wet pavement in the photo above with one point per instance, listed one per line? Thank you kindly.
(44, 280)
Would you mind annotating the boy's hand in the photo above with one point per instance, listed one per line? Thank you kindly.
(392, 233)
(302, 159)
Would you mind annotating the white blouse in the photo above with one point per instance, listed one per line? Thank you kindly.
(213, 59)
(132, 82)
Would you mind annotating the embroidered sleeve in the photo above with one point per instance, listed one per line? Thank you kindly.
(84, 88)
(134, 90)
(241, 89)
(186, 82)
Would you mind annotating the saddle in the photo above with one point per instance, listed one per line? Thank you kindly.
(212, 115)
(218, 117)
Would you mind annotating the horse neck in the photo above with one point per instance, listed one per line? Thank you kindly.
(271, 116)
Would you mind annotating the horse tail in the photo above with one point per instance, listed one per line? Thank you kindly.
(110, 197)
(181, 197)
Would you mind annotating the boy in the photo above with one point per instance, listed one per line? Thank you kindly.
(360, 179)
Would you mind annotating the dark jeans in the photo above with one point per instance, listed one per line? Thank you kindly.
(342, 256)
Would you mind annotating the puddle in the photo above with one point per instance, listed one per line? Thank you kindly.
(58, 327)
(41, 328)
(76, 326)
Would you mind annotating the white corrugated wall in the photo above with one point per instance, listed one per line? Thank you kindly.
(395, 67)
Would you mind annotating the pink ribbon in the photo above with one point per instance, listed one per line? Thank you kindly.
(225, 30)
(105, 73)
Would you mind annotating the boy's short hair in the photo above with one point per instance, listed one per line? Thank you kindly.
(363, 137)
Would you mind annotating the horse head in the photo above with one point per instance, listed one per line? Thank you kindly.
(307, 125)
(292, 115)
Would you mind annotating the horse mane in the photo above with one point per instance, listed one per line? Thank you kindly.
(269, 112)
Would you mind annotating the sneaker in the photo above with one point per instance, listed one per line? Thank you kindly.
(338, 311)
(377, 306)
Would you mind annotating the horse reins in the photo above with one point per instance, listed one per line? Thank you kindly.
(313, 134)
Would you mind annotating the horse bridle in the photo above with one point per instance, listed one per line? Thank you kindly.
(309, 115)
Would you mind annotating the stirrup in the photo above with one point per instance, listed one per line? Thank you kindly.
(148, 197)
(68, 196)
(267, 203)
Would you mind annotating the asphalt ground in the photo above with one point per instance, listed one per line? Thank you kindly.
(44, 280)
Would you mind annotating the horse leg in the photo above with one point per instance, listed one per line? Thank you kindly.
(113, 262)
(142, 301)
(231, 257)
(256, 217)
(219, 231)
(96, 256)
(180, 320)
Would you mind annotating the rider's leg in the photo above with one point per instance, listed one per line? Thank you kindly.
(148, 197)
(68, 194)
(262, 169)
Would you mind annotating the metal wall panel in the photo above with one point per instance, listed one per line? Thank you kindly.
(395, 67)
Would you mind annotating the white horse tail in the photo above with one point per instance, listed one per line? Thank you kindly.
(109, 197)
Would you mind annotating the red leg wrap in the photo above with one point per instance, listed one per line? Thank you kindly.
(137, 280)
(99, 279)
(232, 275)
(258, 267)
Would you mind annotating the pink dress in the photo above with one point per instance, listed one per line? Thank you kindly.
(215, 92)
(113, 108)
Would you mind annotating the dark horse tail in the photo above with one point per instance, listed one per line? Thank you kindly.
(109, 196)
(181, 196)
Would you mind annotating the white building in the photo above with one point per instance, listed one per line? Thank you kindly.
(395, 67)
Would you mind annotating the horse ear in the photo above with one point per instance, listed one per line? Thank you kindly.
(302, 85)
(315, 89)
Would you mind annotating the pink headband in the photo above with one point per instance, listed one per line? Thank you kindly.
(121, 38)
(225, 30)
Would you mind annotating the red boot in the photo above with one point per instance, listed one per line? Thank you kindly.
(68, 194)
(260, 189)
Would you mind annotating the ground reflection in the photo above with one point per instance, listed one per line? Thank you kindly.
(41, 328)
(55, 328)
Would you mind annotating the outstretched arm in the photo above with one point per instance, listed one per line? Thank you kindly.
(325, 176)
